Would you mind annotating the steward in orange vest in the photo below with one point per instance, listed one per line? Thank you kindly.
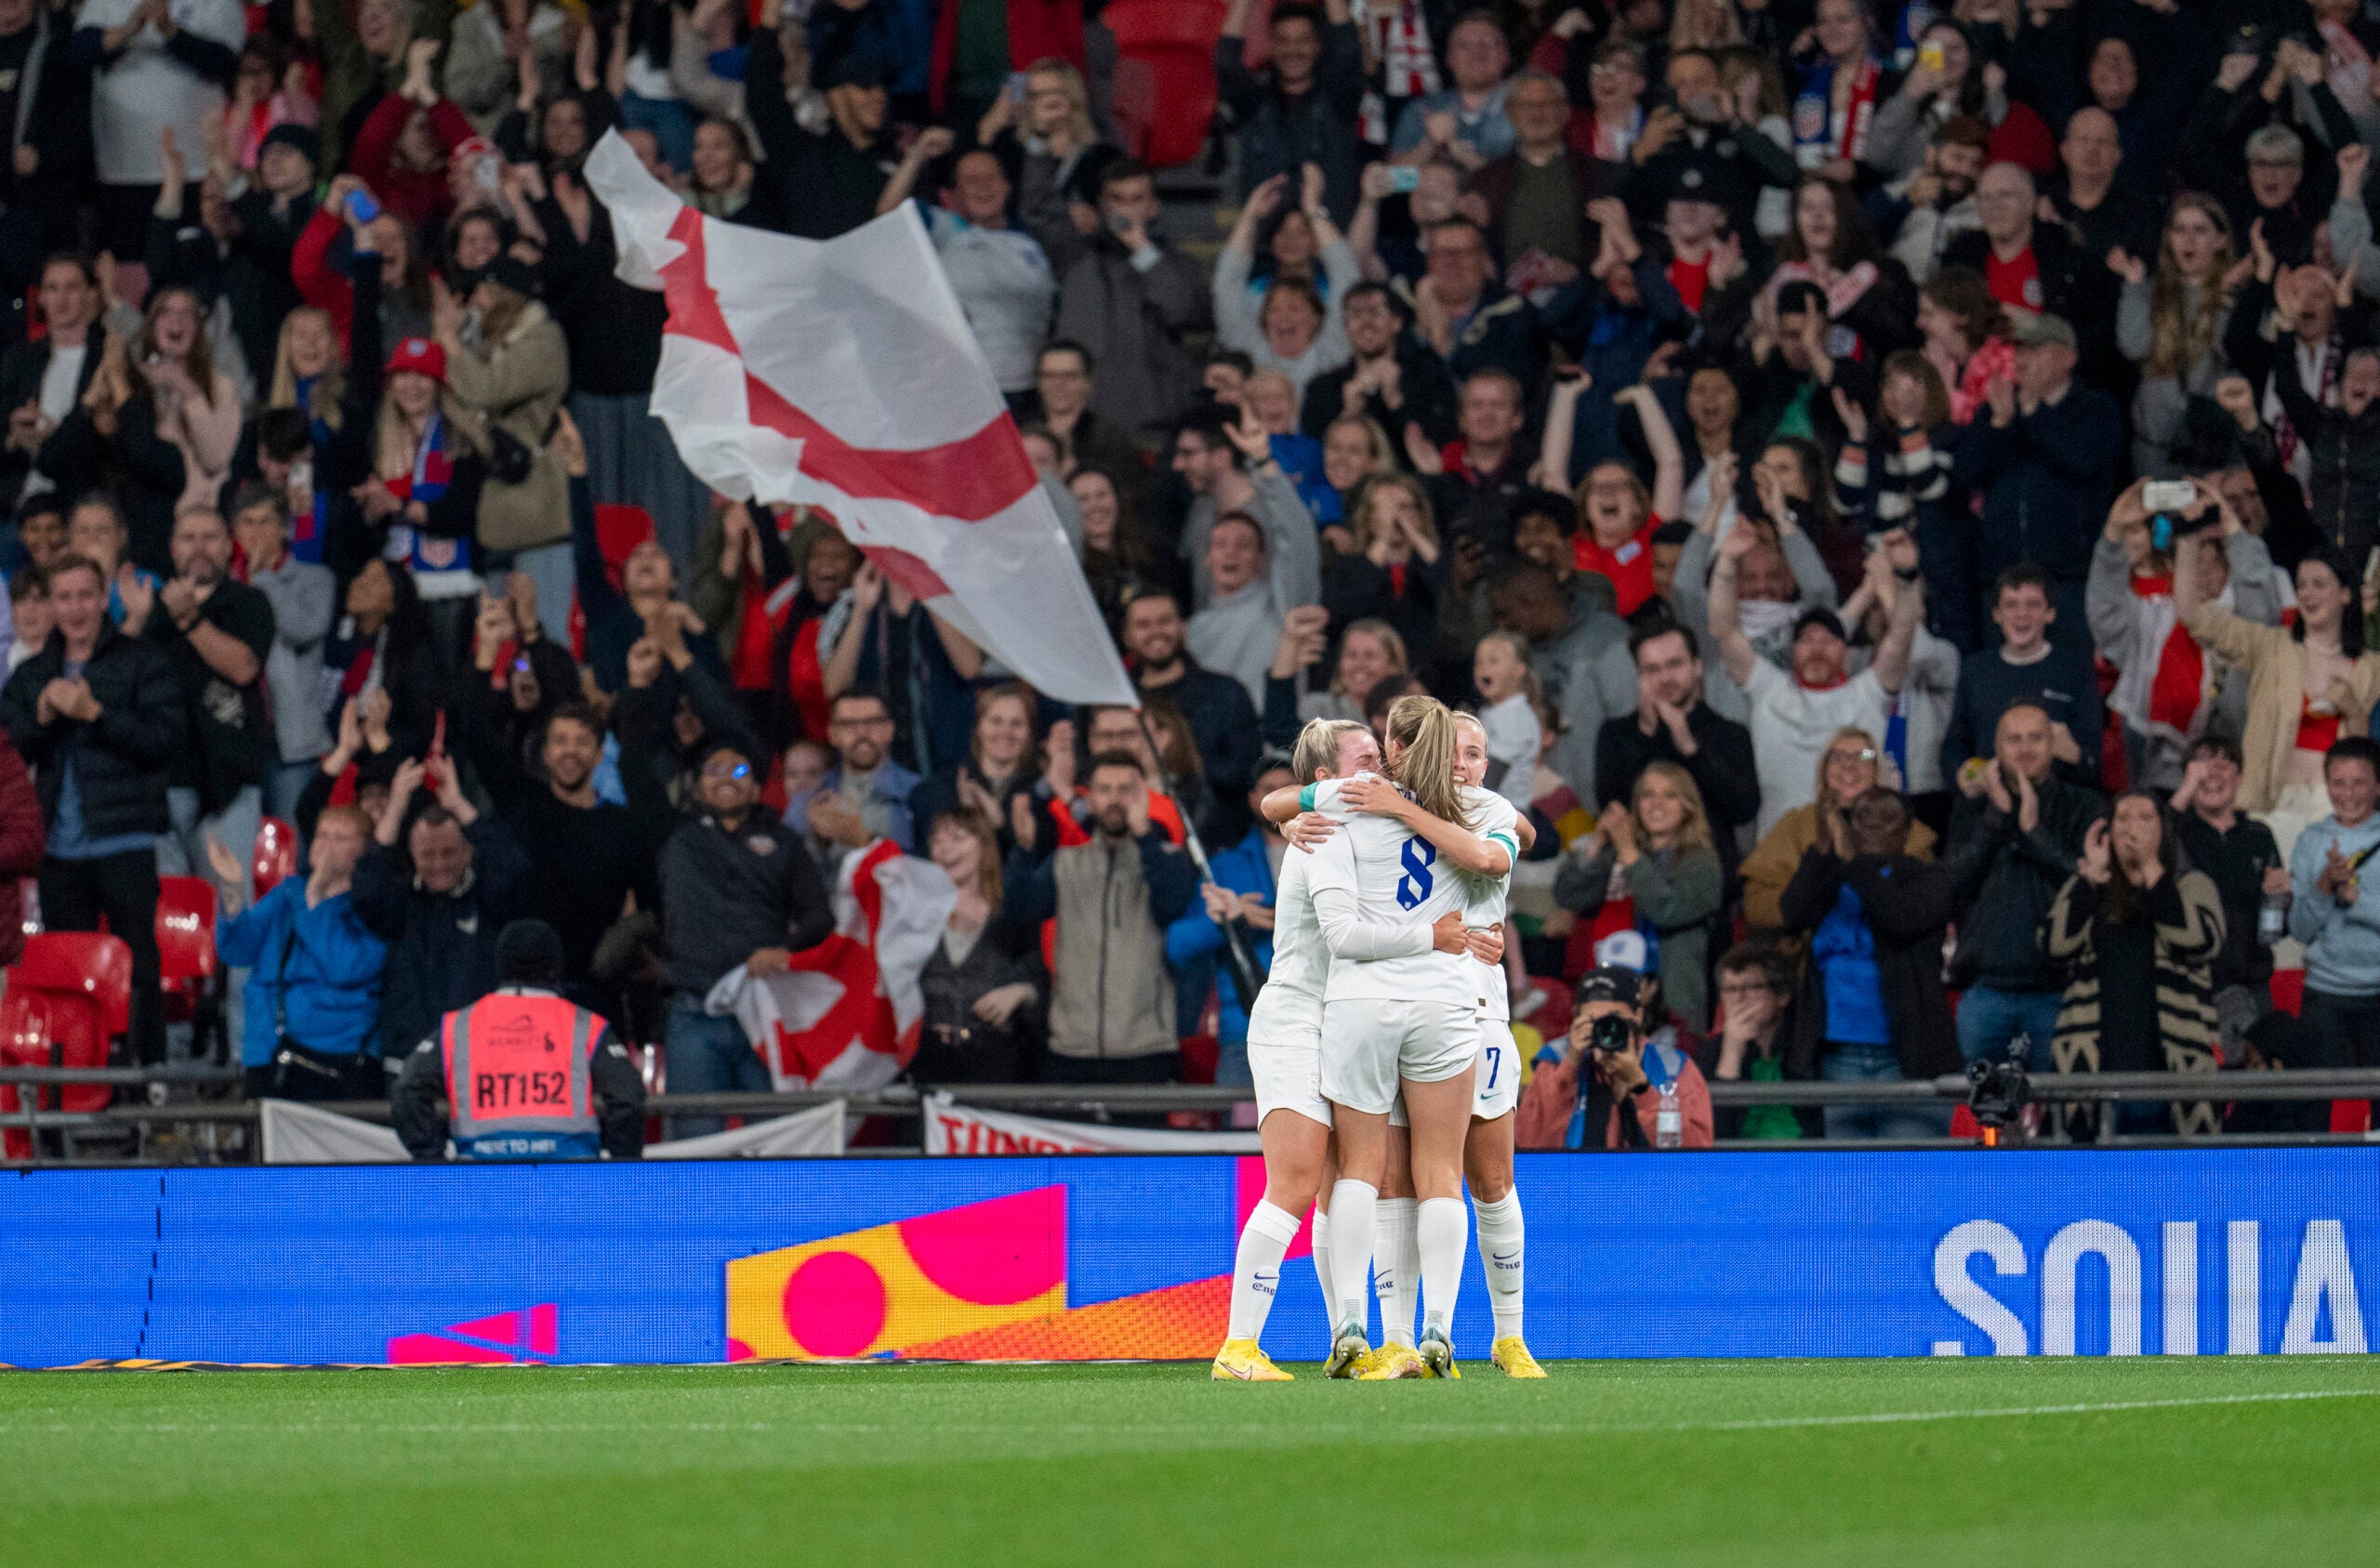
(529, 1075)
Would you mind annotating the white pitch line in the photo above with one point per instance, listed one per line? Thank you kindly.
(1283, 1434)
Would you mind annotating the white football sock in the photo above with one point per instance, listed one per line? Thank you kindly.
(1396, 1267)
(1442, 1231)
(1256, 1272)
(1325, 1288)
(1500, 1245)
(1352, 1206)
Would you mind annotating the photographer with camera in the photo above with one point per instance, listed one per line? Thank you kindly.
(2167, 691)
(1616, 1060)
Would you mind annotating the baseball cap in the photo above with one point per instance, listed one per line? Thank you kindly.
(420, 356)
(1607, 982)
(1819, 615)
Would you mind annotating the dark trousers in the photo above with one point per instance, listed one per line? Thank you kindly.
(76, 893)
(1165, 1067)
(2340, 1031)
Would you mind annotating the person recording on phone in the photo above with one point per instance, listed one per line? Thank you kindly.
(1616, 1061)
(2167, 691)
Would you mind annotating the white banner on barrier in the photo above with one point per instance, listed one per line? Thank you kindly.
(953, 1129)
(302, 1135)
(818, 1131)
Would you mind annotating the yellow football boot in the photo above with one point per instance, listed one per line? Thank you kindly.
(1512, 1359)
(1393, 1363)
(1244, 1360)
(1348, 1349)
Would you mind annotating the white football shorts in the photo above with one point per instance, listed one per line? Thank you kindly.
(1287, 1073)
(1499, 1070)
(1368, 1044)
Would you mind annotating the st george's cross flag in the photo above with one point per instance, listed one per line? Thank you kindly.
(842, 374)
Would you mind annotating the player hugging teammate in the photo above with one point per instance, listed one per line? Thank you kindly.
(1382, 1047)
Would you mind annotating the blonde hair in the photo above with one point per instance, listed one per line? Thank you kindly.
(1721, 27)
(329, 387)
(393, 446)
(1078, 123)
(1383, 456)
(1849, 732)
(1531, 687)
(1318, 745)
(1694, 830)
(1358, 509)
(1421, 730)
(1388, 637)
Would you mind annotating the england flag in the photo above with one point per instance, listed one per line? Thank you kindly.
(843, 374)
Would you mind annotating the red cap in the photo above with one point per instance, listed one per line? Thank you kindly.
(420, 356)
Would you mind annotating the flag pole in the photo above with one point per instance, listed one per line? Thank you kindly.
(1246, 976)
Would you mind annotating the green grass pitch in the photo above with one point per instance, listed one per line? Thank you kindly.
(2073, 1463)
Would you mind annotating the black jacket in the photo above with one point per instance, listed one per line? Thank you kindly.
(1906, 902)
(1722, 765)
(119, 758)
(728, 892)
(442, 946)
(139, 467)
(2003, 882)
(20, 373)
(1425, 396)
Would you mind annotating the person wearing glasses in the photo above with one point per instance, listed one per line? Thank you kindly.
(865, 795)
(1850, 766)
(737, 891)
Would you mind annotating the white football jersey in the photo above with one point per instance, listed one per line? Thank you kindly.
(1377, 890)
(1494, 819)
(1291, 1001)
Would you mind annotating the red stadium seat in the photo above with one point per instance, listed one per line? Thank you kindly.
(275, 856)
(186, 952)
(68, 998)
(1176, 40)
(1135, 104)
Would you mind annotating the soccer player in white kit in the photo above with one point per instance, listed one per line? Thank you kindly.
(1488, 1148)
(1397, 1021)
(1285, 1061)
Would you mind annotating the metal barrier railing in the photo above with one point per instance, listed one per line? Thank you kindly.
(1099, 1103)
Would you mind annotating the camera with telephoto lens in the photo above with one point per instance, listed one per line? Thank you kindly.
(1613, 1031)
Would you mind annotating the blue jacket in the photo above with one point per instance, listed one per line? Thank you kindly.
(1195, 944)
(333, 971)
(895, 786)
(2342, 940)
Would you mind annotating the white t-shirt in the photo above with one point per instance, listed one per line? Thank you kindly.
(1377, 890)
(1494, 819)
(59, 378)
(1791, 726)
(147, 89)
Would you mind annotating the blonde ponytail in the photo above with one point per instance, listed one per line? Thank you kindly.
(1421, 730)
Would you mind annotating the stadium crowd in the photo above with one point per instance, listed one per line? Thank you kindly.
(1898, 486)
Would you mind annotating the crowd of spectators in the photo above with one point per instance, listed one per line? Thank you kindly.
(1836, 449)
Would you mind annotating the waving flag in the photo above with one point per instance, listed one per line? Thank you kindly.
(843, 374)
(847, 1016)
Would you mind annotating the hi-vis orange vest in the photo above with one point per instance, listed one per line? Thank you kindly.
(517, 1078)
